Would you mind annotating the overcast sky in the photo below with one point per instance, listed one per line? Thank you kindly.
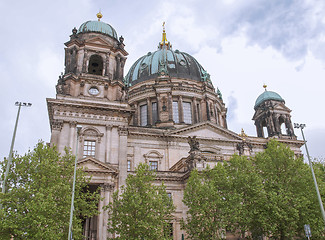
(242, 44)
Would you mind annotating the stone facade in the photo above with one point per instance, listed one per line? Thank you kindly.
(172, 122)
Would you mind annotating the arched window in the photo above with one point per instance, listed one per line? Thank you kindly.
(175, 112)
(95, 65)
(144, 115)
(187, 111)
(282, 126)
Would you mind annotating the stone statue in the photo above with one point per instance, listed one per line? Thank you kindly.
(194, 144)
(124, 94)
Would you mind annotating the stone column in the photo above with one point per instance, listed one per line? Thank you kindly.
(180, 109)
(207, 109)
(149, 112)
(118, 66)
(136, 115)
(122, 155)
(203, 110)
(86, 228)
(158, 108)
(108, 189)
(107, 64)
(194, 111)
(216, 113)
(85, 60)
(72, 137)
(170, 107)
(108, 143)
(100, 219)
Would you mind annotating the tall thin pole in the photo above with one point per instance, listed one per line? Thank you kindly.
(74, 186)
(301, 126)
(19, 104)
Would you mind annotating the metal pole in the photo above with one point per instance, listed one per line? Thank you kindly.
(301, 126)
(74, 186)
(11, 150)
(19, 104)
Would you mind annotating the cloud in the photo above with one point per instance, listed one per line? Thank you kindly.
(232, 107)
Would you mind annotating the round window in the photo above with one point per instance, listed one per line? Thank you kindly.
(93, 91)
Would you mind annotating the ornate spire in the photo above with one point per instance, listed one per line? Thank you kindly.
(164, 41)
(99, 15)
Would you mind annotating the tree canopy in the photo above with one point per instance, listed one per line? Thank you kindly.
(37, 203)
(272, 194)
(141, 210)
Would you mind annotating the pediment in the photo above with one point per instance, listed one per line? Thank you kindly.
(90, 164)
(207, 130)
(97, 41)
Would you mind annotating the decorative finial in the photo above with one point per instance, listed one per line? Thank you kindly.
(99, 15)
(164, 38)
(265, 86)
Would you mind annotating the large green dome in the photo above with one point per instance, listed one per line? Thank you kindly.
(166, 62)
(97, 26)
(267, 95)
(173, 63)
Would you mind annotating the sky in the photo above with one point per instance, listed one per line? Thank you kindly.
(243, 44)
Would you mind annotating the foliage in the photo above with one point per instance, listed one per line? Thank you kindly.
(247, 184)
(141, 210)
(270, 195)
(211, 204)
(291, 197)
(37, 205)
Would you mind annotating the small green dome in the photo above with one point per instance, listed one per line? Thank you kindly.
(267, 95)
(98, 26)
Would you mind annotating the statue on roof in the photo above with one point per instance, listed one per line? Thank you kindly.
(194, 144)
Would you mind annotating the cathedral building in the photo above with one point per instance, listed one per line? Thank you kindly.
(164, 112)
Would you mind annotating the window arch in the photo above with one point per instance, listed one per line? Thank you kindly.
(95, 65)
(282, 124)
(90, 137)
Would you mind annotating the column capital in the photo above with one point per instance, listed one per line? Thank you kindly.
(73, 123)
(123, 131)
(57, 124)
(108, 187)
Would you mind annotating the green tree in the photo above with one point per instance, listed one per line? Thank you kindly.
(271, 194)
(141, 210)
(212, 205)
(37, 205)
(291, 197)
(247, 184)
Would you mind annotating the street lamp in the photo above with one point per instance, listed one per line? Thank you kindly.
(74, 185)
(19, 104)
(302, 126)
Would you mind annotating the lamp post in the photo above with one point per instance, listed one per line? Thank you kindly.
(19, 104)
(74, 185)
(302, 126)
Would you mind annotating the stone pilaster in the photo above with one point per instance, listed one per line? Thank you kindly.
(122, 155)
(180, 109)
(72, 136)
(108, 140)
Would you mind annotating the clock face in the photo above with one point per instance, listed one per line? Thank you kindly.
(93, 91)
